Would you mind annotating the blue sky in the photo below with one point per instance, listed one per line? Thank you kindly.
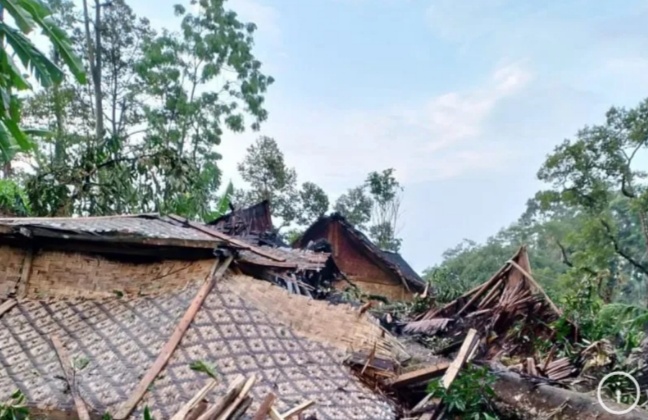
(463, 98)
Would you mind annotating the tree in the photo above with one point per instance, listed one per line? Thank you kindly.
(355, 205)
(597, 174)
(27, 15)
(265, 170)
(314, 203)
(386, 192)
(374, 207)
(166, 100)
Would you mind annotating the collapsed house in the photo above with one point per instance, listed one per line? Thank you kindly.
(510, 309)
(111, 312)
(372, 270)
(300, 271)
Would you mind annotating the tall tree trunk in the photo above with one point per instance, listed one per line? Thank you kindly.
(94, 57)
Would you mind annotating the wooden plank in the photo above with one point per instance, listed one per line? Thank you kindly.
(239, 398)
(262, 412)
(462, 356)
(419, 375)
(537, 286)
(242, 408)
(197, 411)
(531, 366)
(233, 390)
(7, 305)
(21, 287)
(169, 347)
(66, 364)
(297, 410)
(227, 238)
(184, 411)
(275, 415)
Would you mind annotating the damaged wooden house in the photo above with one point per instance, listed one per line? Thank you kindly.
(510, 309)
(108, 314)
(372, 270)
(306, 272)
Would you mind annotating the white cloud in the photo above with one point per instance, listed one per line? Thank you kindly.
(437, 139)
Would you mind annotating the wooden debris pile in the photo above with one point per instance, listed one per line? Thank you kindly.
(511, 310)
(235, 403)
(408, 388)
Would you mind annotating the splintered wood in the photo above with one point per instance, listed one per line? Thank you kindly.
(511, 298)
(234, 403)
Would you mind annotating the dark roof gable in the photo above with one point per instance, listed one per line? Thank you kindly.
(255, 219)
(393, 261)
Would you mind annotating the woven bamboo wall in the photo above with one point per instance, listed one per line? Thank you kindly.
(68, 274)
(12, 260)
(340, 326)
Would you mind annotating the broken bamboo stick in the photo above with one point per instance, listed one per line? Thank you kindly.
(182, 413)
(232, 391)
(66, 364)
(537, 286)
(295, 411)
(7, 306)
(169, 347)
(262, 412)
(227, 238)
(419, 375)
(239, 399)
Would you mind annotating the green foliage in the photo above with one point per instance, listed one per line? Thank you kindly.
(597, 174)
(201, 366)
(265, 170)
(355, 205)
(469, 395)
(269, 178)
(13, 200)
(27, 15)
(374, 208)
(166, 98)
(314, 203)
(15, 408)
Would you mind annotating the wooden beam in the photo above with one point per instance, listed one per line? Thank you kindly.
(297, 410)
(66, 364)
(462, 357)
(6, 306)
(169, 347)
(262, 412)
(233, 390)
(184, 411)
(21, 287)
(227, 238)
(537, 286)
(419, 375)
(239, 399)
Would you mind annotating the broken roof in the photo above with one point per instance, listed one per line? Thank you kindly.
(510, 296)
(248, 220)
(151, 229)
(393, 261)
(298, 259)
(142, 229)
(119, 338)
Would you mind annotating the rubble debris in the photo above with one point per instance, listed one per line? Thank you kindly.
(505, 309)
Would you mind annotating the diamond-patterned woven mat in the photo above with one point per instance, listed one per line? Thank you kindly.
(114, 341)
